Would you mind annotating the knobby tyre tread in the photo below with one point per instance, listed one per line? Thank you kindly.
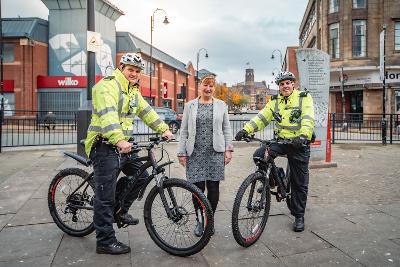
(52, 208)
(247, 242)
(181, 252)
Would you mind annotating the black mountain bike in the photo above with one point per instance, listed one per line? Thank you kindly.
(253, 199)
(169, 212)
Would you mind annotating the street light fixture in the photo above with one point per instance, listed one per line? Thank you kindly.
(151, 47)
(273, 71)
(197, 68)
(280, 56)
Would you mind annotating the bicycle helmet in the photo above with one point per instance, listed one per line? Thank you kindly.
(284, 75)
(133, 59)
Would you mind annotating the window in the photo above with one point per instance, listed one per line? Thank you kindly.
(9, 103)
(166, 103)
(397, 35)
(334, 40)
(8, 51)
(333, 6)
(147, 67)
(359, 3)
(359, 38)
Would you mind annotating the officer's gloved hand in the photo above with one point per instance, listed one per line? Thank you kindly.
(299, 141)
(239, 136)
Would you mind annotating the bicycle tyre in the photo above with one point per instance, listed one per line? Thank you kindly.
(246, 240)
(55, 208)
(151, 224)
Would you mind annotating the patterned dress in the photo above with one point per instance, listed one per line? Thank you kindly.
(205, 163)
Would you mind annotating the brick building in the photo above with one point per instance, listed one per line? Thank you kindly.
(259, 93)
(45, 61)
(350, 32)
(24, 58)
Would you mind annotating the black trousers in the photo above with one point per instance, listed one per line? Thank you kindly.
(107, 165)
(298, 159)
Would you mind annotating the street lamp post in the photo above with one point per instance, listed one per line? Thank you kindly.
(280, 56)
(197, 68)
(151, 48)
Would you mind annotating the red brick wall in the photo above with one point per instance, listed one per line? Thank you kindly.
(29, 62)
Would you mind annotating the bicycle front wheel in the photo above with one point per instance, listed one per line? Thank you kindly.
(250, 211)
(173, 231)
(72, 211)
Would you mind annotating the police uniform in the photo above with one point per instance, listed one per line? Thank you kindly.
(294, 117)
(116, 102)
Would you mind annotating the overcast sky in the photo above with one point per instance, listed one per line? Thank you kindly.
(234, 32)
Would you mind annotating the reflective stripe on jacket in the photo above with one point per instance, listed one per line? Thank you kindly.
(290, 126)
(115, 105)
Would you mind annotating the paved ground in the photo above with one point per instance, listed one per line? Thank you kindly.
(351, 220)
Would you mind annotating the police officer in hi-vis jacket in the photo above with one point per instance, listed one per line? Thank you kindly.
(295, 113)
(116, 101)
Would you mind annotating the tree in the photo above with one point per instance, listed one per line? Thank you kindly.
(222, 92)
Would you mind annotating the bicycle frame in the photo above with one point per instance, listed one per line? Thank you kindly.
(149, 161)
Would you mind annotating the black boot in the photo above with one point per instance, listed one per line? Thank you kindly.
(298, 225)
(114, 249)
(125, 219)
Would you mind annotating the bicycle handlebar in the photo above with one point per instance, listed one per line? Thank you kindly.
(250, 138)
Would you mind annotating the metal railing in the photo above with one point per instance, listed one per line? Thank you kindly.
(33, 128)
(365, 127)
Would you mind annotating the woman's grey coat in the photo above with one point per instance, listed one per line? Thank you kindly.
(222, 137)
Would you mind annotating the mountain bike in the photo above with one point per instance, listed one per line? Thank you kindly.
(169, 208)
(253, 199)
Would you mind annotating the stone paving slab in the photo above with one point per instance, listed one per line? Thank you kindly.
(11, 202)
(24, 242)
(322, 257)
(279, 237)
(35, 211)
(392, 209)
(81, 251)
(4, 219)
(41, 261)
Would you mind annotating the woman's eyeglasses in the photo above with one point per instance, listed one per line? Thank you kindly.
(285, 83)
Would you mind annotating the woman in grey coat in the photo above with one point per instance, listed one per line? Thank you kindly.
(205, 144)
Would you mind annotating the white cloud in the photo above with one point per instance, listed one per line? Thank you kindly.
(234, 32)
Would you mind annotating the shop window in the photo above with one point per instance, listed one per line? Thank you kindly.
(180, 106)
(333, 6)
(334, 40)
(359, 38)
(9, 103)
(167, 103)
(8, 52)
(359, 4)
(397, 35)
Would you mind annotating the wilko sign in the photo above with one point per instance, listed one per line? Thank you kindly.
(68, 81)
(63, 81)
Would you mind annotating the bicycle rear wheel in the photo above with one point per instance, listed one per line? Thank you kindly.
(175, 234)
(250, 213)
(73, 213)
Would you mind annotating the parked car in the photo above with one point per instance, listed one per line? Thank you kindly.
(170, 117)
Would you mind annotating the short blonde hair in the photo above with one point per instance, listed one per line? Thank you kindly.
(208, 79)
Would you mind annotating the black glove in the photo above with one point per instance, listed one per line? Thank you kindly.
(239, 136)
(299, 141)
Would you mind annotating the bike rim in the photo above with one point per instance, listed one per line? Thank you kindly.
(251, 216)
(72, 219)
(178, 233)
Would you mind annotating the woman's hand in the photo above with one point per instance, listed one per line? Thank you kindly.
(228, 156)
(182, 160)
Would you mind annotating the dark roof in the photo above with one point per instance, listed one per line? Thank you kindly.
(127, 42)
(33, 28)
(204, 72)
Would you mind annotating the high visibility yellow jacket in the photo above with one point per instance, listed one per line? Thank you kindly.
(116, 102)
(296, 111)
